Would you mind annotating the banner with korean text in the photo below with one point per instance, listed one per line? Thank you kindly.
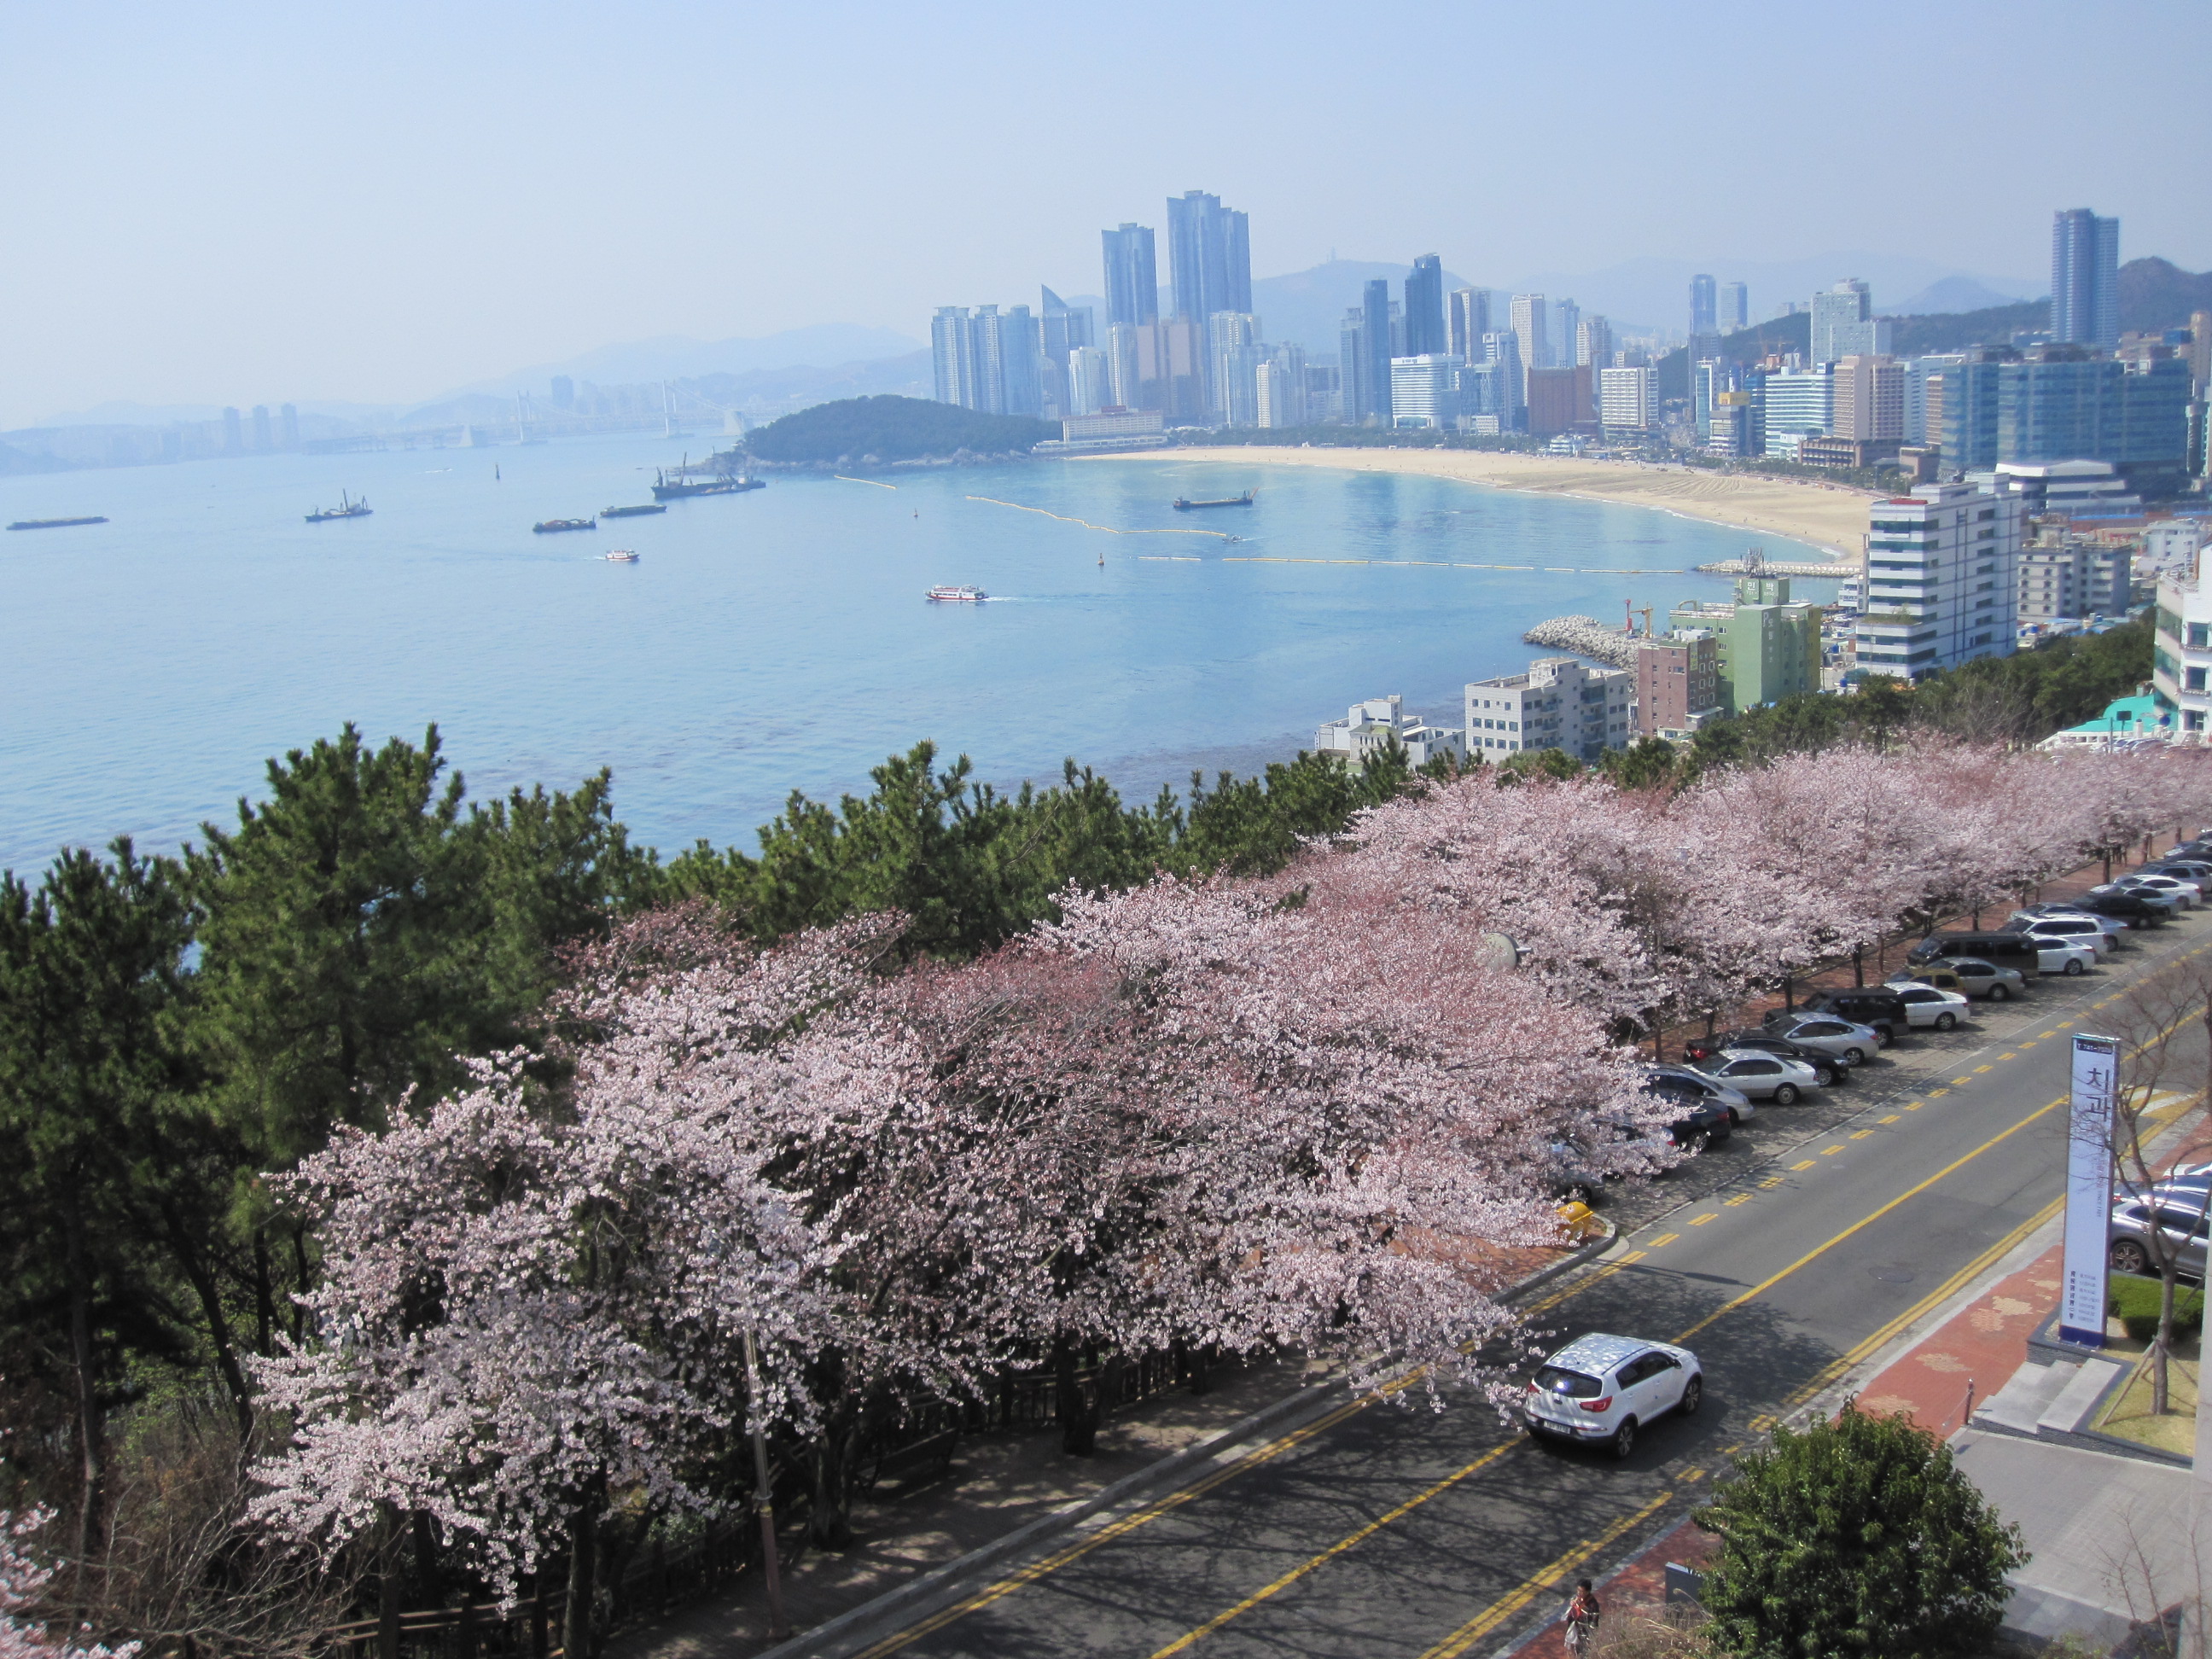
(2088, 1190)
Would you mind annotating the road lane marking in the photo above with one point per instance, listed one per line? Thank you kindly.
(1891, 1118)
(1965, 1079)
(2011, 1056)
(1700, 1220)
(1860, 1134)
(1547, 1578)
(2030, 1043)
(1664, 1238)
(1807, 1165)
(1633, 1255)
(1933, 1094)
(1830, 1151)
(1979, 1070)
(1740, 1198)
(1267, 1592)
(1775, 1180)
(1858, 1226)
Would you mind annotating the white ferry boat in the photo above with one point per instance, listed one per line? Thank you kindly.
(959, 595)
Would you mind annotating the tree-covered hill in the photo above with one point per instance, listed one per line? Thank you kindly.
(854, 430)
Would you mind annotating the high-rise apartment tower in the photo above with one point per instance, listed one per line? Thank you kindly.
(2084, 279)
(1424, 307)
(1133, 283)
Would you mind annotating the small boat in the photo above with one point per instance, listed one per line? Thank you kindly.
(621, 555)
(551, 525)
(633, 512)
(959, 594)
(1245, 499)
(346, 508)
(52, 524)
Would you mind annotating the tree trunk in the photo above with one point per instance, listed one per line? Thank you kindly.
(92, 1429)
(387, 1588)
(1078, 1413)
(829, 1517)
(1858, 965)
(578, 1639)
(2163, 1347)
(299, 1285)
(264, 1299)
(218, 1326)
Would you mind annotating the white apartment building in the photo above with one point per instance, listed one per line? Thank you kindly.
(1943, 579)
(1561, 702)
(2079, 578)
(2181, 655)
(2169, 545)
(1625, 401)
(1367, 727)
(1282, 394)
(1090, 388)
(1424, 391)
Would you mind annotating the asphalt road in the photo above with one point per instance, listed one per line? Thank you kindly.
(1784, 1258)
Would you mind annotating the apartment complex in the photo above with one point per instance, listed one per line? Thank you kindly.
(2074, 576)
(1942, 579)
(1626, 400)
(1561, 702)
(1766, 646)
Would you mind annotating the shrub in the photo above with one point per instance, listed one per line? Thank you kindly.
(2135, 1302)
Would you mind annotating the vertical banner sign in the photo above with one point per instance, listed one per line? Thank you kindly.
(2088, 1190)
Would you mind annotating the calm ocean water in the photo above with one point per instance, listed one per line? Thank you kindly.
(763, 642)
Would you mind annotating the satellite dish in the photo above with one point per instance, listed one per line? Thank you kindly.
(1500, 950)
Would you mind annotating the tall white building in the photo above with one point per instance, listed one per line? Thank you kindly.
(1280, 383)
(1090, 387)
(1467, 319)
(1531, 326)
(1845, 325)
(1504, 349)
(1593, 342)
(1367, 727)
(1800, 403)
(1943, 579)
(1559, 703)
(1425, 389)
(1624, 399)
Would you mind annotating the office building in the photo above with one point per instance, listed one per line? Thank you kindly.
(1593, 342)
(1559, 703)
(1943, 579)
(1923, 396)
(265, 435)
(1325, 394)
(1132, 285)
(288, 427)
(1485, 398)
(1375, 346)
(1709, 378)
(1503, 348)
(1021, 362)
(1424, 391)
(1558, 401)
(1466, 321)
(1845, 325)
(1090, 385)
(2070, 489)
(1868, 398)
(1370, 727)
(1799, 403)
(1566, 324)
(2181, 651)
(2084, 279)
(1736, 308)
(1767, 646)
(1209, 256)
(2059, 404)
(1526, 317)
(1705, 309)
(2073, 576)
(2199, 351)
(1677, 684)
(1624, 399)
(1735, 426)
(1425, 334)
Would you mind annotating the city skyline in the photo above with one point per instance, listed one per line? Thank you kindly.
(256, 203)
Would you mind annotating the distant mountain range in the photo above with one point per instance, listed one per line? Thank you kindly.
(677, 357)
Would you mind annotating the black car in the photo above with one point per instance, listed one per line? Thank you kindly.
(1706, 1121)
(1869, 1005)
(1826, 1072)
(2136, 912)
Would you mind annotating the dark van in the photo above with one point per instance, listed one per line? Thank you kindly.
(1871, 1006)
(2006, 949)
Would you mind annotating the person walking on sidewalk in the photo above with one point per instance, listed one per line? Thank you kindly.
(1582, 1618)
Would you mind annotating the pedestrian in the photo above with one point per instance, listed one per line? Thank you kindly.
(1582, 1618)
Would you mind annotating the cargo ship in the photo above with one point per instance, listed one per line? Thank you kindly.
(631, 511)
(551, 525)
(346, 508)
(52, 524)
(668, 488)
(1245, 499)
(958, 595)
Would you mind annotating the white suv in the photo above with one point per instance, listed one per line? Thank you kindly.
(1602, 1388)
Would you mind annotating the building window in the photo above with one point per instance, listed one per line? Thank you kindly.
(2194, 719)
(2200, 636)
(2169, 624)
(2194, 680)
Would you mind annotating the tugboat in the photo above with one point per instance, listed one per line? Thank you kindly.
(552, 526)
(346, 508)
(621, 555)
(958, 595)
(631, 511)
(1245, 499)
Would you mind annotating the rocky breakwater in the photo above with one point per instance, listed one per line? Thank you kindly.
(1586, 636)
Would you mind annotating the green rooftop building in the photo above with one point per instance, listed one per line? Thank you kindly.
(1769, 644)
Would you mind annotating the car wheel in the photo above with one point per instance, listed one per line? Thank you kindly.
(1946, 1021)
(1825, 1076)
(2129, 1257)
(2073, 968)
(1854, 1057)
(1624, 1438)
(1999, 993)
(1692, 1395)
(1786, 1094)
(1734, 1122)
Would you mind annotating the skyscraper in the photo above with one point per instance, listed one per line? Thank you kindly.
(1424, 307)
(2085, 278)
(234, 441)
(1843, 324)
(1020, 359)
(1704, 312)
(1527, 320)
(1467, 321)
(1234, 337)
(1133, 283)
(1210, 256)
(1593, 342)
(288, 427)
(264, 438)
(1736, 307)
(1375, 346)
(1064, 330)
(1502, 347)
(1567, 323)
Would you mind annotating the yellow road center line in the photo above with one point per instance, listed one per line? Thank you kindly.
(1664, 1238)
(1860, 1134)
(1700, 1220)
(1979, 1070)
(1891, 1118)
(1830, 1151)
(1807, 1165)
(1740, 1198)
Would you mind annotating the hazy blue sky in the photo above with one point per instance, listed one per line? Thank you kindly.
(244, 203)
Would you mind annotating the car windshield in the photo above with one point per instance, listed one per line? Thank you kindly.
(1557, 1379)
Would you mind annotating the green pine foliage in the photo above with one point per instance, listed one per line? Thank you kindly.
(1856, 1537)
(857, 430)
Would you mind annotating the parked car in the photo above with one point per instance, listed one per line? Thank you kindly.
(1852, 1043)
(1926, 1007)
(1826, 1068)
(2187, 869)
(1762, 1076)
(2066, 957)
(1875, 1006)
(1706, 1119)
(2006, 949)
(2137, 910)
(1607, 1388)
(1970, 976)
(2187, 895)
(2182, 1230)
(2190, 849)
(2110, 933)
(1689, 1080)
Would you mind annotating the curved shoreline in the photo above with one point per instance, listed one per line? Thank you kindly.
(1829, 517)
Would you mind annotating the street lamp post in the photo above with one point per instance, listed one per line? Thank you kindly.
(763, 1493)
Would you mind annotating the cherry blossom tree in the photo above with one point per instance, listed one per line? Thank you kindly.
(23, 1580)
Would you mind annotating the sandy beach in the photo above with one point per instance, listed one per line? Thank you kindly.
(1829, 517)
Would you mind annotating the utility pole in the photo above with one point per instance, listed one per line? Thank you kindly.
(764, 1493)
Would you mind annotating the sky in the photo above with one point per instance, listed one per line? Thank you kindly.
(244, 203)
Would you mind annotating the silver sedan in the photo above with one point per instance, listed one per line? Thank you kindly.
(1761, 1075)
(1854, 1045)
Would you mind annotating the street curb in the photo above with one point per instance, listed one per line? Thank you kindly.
(1309, 1400)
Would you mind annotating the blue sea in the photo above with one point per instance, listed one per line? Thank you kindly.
(764, 642)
